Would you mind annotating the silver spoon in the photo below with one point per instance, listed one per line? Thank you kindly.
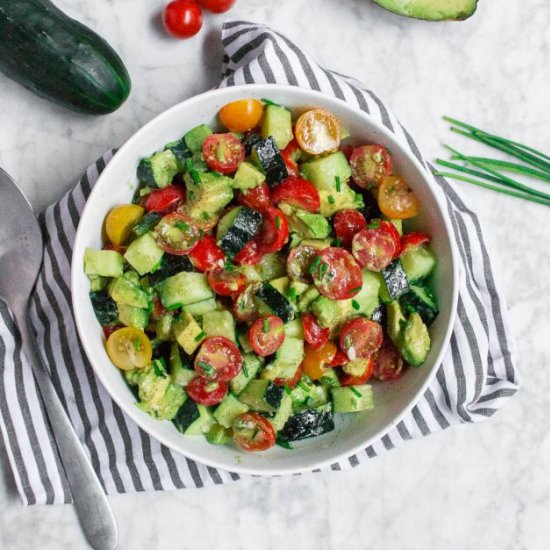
(21, 249)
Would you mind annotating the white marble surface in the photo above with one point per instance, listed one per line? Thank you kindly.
(485, 486)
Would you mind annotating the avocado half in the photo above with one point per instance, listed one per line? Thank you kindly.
(431, 10)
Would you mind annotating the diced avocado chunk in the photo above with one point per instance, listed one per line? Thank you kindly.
(219, 323)
(262, 396)
(324, 171)
(334, 201)
(143, 254)
(307, 298)
(207, 199)
(356, 367)
(158, 396)
(159, 169)
(418, 262)
(415, 341)
(283, 412)
(366, 300)
(184, 288)
(352, 399)
(188, 333)
(431, 10)
(287, 360)
(277, 122)
(307, 224)
(218, 435)
(133, 316)
(228, 410)
(180, 371)
(281, 284)
(123, 292)
(396, 320)
(295, 329)
(98, 283)
(247, 176)
(196, 136)
(251, 366)
(103, 263)
(331, 313)
(163, 328)
(321, 244)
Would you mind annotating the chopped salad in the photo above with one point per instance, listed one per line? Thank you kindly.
(262, 277)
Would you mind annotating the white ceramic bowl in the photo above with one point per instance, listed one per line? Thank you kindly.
(353, 432)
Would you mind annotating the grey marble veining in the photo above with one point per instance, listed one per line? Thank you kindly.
(484, 486)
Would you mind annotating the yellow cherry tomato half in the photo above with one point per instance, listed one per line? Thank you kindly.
(317, 361)
(129, 348)
(318, 132)
(119, 221)
(242, 115)
(396, 200)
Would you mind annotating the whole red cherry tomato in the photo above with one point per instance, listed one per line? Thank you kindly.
(182, 18)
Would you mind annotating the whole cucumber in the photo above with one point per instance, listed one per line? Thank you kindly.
(60, 59)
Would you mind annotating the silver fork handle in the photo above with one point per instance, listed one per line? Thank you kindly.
(92, 508)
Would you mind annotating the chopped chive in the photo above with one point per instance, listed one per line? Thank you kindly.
(314, 264)
(266, 325)
(356, 289)
(283, 443)
(292, 294)
(510, 167)
(206, 215)
(182, 226)
(337, 242)
(347, 341)
(245, 369)
(200, 336)
(278, 222)
(192, 172)
(137, 344)
(356, 391)
(162, 362)
(338, 184)
(331, 199)
(256, 431)
(269, 102)
(323, 270)
(206, 367)
(374, 224)
(355, 304)
(287, 389)
(305, 387)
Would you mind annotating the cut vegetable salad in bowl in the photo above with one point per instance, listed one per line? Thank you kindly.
(268, 283)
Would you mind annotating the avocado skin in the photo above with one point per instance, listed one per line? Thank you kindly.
(459, 16)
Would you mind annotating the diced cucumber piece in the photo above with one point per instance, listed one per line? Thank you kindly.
(272, 266)
(277, 122)
(199, 309)
(251, 366)
(291, 351)
(330, 379)
(306, 224)
(418, 262)
(196, 136)
(294, 329)
(104, 263)
(243, 341)
(397, 282)
(209, 197)
(187, 414)
(105, 308)
(307, 298)
(420, 300)
(123, 292)
(331, 313)
(283, 412)
(180, 151)
(352, 399)
(143, 254)
(307, 395)
(267, 156)
(218, 435)
(247, 176)
(159, 169)
(98, 283)
(164, 328)
(201, 423)
(180, 372)
(226, 222)
(281, 284)
(133, 316)
(307, 423)
(188, 333)
(183, 289)
(228, 410)
(295, 290)
(323, 171)
(146, 224)
(262, 396)
(219, 323)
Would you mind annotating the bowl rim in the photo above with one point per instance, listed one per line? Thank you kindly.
(132, 412)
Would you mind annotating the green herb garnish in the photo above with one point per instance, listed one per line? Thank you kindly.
(323, 270)
(283, 443)
(265, 325)
(287, 389)
(338, 184)
(269, 102)
(206, 367)
(278, 222)
(182, 226)
(292, 294)
(205, 216)
(314, 264)
(355, 304)
(331, 199)
(374, 224)
(304, 386)
(245, 369)
(200, 336)
(337, 242)
(137, 344)
(356, 391)
(356, 289)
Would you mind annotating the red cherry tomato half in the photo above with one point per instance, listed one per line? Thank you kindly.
(158, 309)
(291, 382)
(116, 247)
(182, 18)
(389, 228)
(315, 335)
(299, 261)
(361, 338)
(374, 248)
(347, 150)
(291, 153)
(223, 152)
(176, 234)
(217, 6)
(267, 335)
(274, 231)
(350, 380)
(218, 359)
(164, 200)
(226, 283)
(206, 392)
(253, 432)
(388, 364)
(347, 223)
(336, 274)
(250, 254)
(244, 307)
(340, 359)
(412, 240)
(257, 198)
(297, 192)
(107, 331)
(370, 164)
(207, 255)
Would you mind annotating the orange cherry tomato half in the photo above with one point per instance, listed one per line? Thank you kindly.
(242, 115)
(318, 132)
(396, 200)
(317, 361)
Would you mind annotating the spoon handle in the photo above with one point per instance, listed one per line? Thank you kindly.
(91, 505)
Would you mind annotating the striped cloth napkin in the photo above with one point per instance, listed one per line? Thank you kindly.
(474, 381)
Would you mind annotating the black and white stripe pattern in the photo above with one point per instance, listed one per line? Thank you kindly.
(476, 377)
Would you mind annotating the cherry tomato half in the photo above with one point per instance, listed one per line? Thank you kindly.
(370, 164)
(351, 380)
(250, 254)
(340, 359)
(182, 18)
(223, 152)
(164, 200)
(317, 361)
(274, 231)
(291, 153)
(336, 274)
(291, 382)
(257, 198)
(388, 364)
(318, 132)
(299, 261)
(347, 223)
(412, 240)
(244, 307)
(119, 222)
(206, 392)
(374, 248)
(361, 338)
(218, 359)
(207, 255)
(253, 432)
(297, 192)
(242, 115)
(396, 200)
(226, 283)
(217, 6)
(389, 228)
(266, 335)
(176, 234)
(129, 348)
(315, 335)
